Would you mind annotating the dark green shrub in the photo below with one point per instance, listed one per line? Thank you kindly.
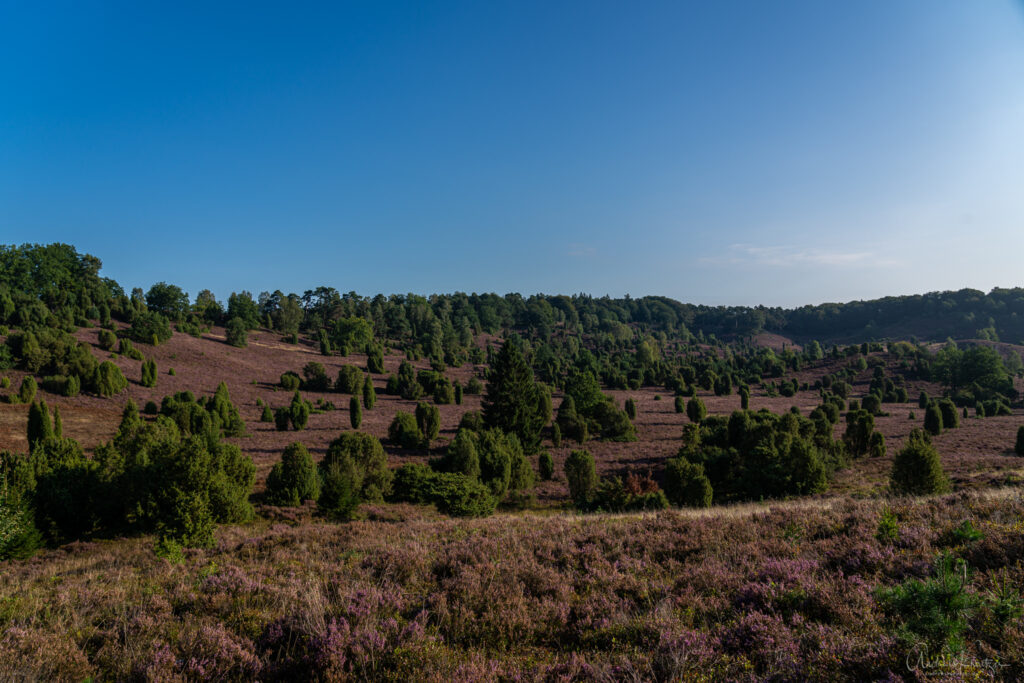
(39, 425)
(474, 386)
(349, 381)
(28, 388)
(236, 333)
(315, 377)
(294, 478)
(680, 404)
(462, 456)
(444, 392)
(917, 469)
(375, 359)
(556, 435)
(73, 386)
(428, 419)
(128, 350)
(108, 380)
(282, 418)
(361, 458)
(472, 420)
(460, 496)
(950, 418)
(63, 486)
(686, 485)
(404, 432)
(933, 419)
(413, 483)
(290, 381)
(695, 410)
(859, 426)
(546, 466)
(872, 403)
(149, 373)
(630, 408)
(298, 412)
(107, 339)
(923, 400)
(744, 398)
(369, 395)
(876, 446)
(267, 415)
(581, 476)
(458, 394)
(149, 327)
(355, 412)
(1018, 447)
(152, 408)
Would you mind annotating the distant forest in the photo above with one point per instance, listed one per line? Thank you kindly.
(54, 285)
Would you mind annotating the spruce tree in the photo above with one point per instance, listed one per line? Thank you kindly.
(512, 403)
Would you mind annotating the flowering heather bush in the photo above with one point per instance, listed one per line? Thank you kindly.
(792, 592)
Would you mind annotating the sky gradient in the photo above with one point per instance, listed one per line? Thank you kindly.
(746, 153)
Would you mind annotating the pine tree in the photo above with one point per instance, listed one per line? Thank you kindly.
(512, 403)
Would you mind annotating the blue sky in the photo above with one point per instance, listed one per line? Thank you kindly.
(776, 153)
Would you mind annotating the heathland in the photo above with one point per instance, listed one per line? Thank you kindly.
(328, 486)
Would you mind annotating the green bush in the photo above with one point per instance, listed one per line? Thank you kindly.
(413, 483)
(151, 408)
(369, 395)
(106, 340)
(315, 377)
(556, 435)
(294, 478)
(128, 350)
(686, 485)
(404, 431)
(108, 380)
(39, 425)
(472, 420)
(917, 469)
(375, 359)
(695, 410)
(267, 415)
(1018, 447)
(460, 496)
(458, 394)
(933, 419)
(282, 418)
(355, 412)
(150, 328)
(474, 386)
(950, 418)
(149, 373)
(444, 392)
(290, 381)
(298, 411)
(428, 419)
(27, 390)
(680, 404)
(361, 458)
(581, 475)
(630, 408)
(349, 381)
(236, 333)
(546, 466)
(462, 456)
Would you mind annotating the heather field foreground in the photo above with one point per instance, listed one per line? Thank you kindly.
(839, 590)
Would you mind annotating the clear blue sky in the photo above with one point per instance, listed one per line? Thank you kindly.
(715, 152)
